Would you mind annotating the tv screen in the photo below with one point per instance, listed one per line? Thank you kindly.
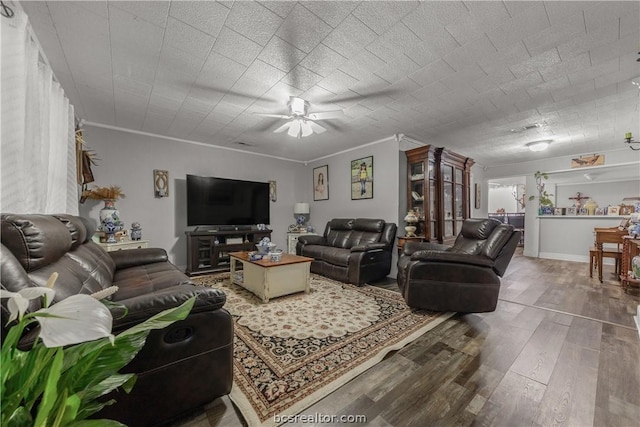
(221, 201)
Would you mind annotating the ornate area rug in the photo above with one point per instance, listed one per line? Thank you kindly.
(294, 350)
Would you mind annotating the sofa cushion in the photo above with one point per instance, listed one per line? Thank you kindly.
(72, 278)
(371, 225)
(76, 228)
(313, 251)
(35, 240)
(497, 240)
(339, 231)
(336, 256)
(95, 261)
(472, 237)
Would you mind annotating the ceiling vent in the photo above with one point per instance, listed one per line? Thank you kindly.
(527, 127)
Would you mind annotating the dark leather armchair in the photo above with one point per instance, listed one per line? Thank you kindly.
(464, 277)
(181, 367)
(351, 250)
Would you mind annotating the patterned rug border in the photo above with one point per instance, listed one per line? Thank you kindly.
(252, 418)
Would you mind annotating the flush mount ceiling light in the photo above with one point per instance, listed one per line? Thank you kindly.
(539, 145)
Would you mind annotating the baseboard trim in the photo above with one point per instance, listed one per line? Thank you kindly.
(572, 257)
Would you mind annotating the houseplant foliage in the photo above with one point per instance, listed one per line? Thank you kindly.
(543, 195)
(74, 360)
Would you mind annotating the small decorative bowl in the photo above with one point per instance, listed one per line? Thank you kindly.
(265, 249)
(275, 256)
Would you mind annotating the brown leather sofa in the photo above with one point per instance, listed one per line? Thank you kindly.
(351, 250)
(181, 367)
(464, 277)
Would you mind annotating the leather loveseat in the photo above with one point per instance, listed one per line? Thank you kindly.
(355, 251)
(464, 277)
(181, 367)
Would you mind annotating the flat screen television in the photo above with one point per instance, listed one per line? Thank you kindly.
(220, 201)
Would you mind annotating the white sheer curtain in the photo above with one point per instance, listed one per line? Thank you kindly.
(37, 128)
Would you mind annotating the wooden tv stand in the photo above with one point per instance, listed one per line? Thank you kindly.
(208, 249)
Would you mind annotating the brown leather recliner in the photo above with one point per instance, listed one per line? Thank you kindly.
(351, 250)
(181, 367)
(464, 277)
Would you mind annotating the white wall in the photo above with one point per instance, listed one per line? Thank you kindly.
(604, 193)
(128, 160)
(502, 198)
(385, 201)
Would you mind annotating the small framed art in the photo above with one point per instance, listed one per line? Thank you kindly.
(321, 183)
(160, 183)
(362, 178)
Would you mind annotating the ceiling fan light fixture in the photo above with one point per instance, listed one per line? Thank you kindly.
(298, 106)
(305, 128)
(294, 128)
(539, 145)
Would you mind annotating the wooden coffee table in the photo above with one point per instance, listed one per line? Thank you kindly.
(270, 279)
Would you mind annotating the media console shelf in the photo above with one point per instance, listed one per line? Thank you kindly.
(208, 250)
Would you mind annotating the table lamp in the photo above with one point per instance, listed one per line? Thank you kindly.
(301, 213)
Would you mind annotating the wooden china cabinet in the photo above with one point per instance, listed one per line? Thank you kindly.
(438, 189)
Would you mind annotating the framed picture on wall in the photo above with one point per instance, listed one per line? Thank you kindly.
(321, 183)
(362, 178)
(478, 193)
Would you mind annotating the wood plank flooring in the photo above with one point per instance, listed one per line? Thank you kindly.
(561, 349)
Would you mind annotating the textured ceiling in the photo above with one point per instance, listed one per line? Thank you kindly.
(456, 74)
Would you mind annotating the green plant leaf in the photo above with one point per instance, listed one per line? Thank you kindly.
(163, 319)
(71, 407)
(107, 361)
(50, 390)
(19, 418)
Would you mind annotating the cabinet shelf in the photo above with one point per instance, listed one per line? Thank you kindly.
(208, 251)
(444, 189)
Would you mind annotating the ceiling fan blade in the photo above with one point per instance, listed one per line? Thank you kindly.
(277, 116)
(316, 127)
(390, 92)
(326, 115)
(282, 128)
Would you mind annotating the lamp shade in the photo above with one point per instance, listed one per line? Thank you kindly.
(301, 208)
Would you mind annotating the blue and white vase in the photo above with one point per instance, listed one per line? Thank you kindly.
(635, 266)
(110, 222)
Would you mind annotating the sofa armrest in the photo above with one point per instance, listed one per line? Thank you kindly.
(369, 247)
(410, 247)
(453, 257)
(135, 257)
(142, 307)
(312, 240)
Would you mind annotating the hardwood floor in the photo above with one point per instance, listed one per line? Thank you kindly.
(561, 349)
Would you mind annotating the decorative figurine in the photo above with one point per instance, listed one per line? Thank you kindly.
(136, 231)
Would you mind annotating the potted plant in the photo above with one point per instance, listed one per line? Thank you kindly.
(543, 196)
(74, 359)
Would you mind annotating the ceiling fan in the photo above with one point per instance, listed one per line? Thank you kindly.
(302, 123)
